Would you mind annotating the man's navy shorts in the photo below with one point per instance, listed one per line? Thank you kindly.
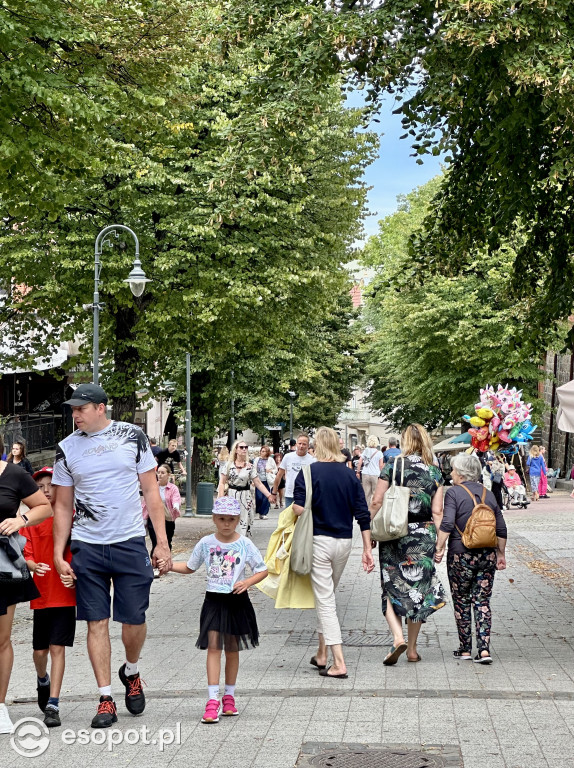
(126, 565)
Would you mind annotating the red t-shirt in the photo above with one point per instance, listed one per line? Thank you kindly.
(39, 547)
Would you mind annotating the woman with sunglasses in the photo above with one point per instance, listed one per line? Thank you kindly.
(238, 475)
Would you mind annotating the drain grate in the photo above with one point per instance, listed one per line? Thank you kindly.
(375, 758)
(325, 754)
(358, 639)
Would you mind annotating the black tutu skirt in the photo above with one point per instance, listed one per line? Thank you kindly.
(227, 622)
(14, 591)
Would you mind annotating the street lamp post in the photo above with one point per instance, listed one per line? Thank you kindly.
(188, 509)
(292, 395)
(232, 424)
(136, 280)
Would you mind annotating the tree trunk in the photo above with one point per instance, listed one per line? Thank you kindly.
(124, 377)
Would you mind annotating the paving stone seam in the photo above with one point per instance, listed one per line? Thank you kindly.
(366, 693)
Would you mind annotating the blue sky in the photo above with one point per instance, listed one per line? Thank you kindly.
(394, 172)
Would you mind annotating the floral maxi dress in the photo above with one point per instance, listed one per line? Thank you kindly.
(408, 575)
(239, 481)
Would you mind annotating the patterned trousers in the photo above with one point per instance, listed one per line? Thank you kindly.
(471, 577)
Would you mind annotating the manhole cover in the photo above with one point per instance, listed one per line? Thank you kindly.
(375, 758)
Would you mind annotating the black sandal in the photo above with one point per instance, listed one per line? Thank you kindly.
(313, 661)
(458, 654)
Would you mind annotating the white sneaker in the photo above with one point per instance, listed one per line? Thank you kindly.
(5, 722)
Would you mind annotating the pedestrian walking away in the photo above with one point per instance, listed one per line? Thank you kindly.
(266, 472)
(497, 470)
(16, 585)
(155, 449)
(410, 587)
(337, 499)
(98, 471)
(470, 571)
(291, 466)
(370, 467)
(54, 623)
(346, 453)
(392, 450)
(227, 621)
(543, 485)
(235, 481)
(536, 467)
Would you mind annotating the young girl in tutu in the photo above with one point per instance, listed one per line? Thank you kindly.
(227, 619)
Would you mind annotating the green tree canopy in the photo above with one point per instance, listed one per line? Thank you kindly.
(70, 71)
(436, 340)
(246, 200)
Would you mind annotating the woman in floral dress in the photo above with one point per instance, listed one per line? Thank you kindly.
(238, 475)
(411, 588)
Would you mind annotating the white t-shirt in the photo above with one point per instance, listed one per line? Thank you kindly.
(103, 468)
(371, 458)
(225, 563)
(292, 464)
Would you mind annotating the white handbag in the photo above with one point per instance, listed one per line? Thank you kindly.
(392, 520)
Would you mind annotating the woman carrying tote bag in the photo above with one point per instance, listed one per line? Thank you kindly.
(337, 499)
(410, 586)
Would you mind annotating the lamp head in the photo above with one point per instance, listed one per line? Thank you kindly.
(137, 279)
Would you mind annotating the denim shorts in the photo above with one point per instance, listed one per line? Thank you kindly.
(126, 565)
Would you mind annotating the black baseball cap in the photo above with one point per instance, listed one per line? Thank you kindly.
(88, 393)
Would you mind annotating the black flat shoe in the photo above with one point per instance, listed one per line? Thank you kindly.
(325, 673)
(313, 661)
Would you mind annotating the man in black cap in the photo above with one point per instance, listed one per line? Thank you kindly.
(99, 469)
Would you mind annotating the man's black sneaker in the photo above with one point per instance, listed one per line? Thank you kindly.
(135, 699)
(43, 696)
(106, 714)
(52, 716)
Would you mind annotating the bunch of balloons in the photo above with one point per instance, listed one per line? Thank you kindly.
(502, 420)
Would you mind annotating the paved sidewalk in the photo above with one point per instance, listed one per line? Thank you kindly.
(517, 713)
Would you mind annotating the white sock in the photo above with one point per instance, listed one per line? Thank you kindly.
(229, 690)
(213, 692)
(105, 690)
(131, 669)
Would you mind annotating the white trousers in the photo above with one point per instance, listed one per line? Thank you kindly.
(329, 560)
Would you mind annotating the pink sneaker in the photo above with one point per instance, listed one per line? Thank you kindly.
(212, 710)
(229, 707)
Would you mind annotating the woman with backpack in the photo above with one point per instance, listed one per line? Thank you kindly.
(471, 520)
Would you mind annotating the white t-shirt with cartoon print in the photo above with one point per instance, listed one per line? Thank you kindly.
(225, 562)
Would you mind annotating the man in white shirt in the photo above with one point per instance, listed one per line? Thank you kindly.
(99, 469)
(290, 467)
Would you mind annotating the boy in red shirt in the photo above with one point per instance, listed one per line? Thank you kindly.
(54, 611)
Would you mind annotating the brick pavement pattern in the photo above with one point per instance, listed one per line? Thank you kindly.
(517, 713)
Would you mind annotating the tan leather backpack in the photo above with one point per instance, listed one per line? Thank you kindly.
(480, 528)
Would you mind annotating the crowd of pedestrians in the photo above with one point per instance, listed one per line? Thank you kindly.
(96, 539)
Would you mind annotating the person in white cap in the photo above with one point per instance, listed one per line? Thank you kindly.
(227, 619)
